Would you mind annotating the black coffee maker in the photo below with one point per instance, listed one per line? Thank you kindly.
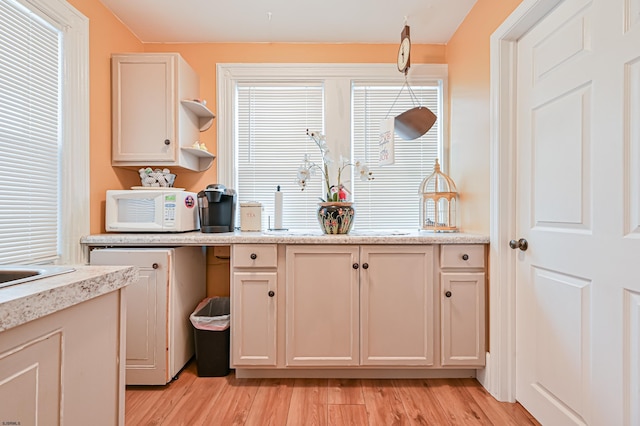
(217, 206)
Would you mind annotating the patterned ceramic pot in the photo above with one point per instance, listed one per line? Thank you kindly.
(335, 217)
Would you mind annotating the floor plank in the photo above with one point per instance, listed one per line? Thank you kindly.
(192, 408)
(308, 403)
(420, 402)
(348, 415)
(271, 403)
(345, 391)
(500, 413)
(384, 406)
(233, 404)
(212, 401)
(150, 405)
(458, 406)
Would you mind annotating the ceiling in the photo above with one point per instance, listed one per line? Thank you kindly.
(294, 21)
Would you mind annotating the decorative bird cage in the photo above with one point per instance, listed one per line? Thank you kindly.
(439, 200)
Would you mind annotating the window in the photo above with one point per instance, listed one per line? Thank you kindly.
(270, 145)
(264, 113)
(392, 200)
(43, 131)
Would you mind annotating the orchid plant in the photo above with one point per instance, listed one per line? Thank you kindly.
(337, 191)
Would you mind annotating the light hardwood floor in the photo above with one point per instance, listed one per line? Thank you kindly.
(191, 400)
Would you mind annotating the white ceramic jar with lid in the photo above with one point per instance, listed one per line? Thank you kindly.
(250, 216)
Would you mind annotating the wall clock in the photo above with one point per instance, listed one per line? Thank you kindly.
(404, 51)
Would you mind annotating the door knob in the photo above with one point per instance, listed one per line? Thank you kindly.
(271, 293)
(521, 244)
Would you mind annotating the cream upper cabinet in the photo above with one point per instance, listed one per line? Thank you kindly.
(462, 296)
(254, 305)
(322, 298)
(396, 305)
(154, 116)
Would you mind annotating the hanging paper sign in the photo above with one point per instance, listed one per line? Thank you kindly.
(386, 142)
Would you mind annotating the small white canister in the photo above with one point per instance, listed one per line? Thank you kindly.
(250, 216)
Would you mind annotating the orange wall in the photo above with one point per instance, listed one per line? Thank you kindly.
(469, 67)
(107, 35)
(467, 55)
(204, 57)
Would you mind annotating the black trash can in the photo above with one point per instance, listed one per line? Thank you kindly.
(211, 327)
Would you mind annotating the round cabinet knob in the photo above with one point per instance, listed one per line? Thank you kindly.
(271, 293)
(355, 266)
(365, 266)
(167, 142)
(253, 256)
(448, 294)
(465, 257)
(154, 266)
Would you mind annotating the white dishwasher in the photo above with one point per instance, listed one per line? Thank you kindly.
(172, 281)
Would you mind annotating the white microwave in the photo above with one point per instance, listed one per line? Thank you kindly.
(151, 210)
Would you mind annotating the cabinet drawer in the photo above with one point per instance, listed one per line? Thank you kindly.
(462, 256)
(254, 256)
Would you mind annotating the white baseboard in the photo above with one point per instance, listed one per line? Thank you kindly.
(483, 375)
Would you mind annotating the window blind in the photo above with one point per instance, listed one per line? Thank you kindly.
(29, 136)
(391, 200)
(271, 143)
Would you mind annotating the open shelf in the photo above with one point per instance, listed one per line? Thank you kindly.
(205, 157)
(204, 114)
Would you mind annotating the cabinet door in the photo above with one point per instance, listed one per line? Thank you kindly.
(396, 305)
(462, 306)
(31, 378)
(322, 305)
(253, 318)
(146, 339)
(144, 107)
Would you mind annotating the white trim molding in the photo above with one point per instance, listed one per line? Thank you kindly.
(500, 379)
(336, 76)
(75, 177)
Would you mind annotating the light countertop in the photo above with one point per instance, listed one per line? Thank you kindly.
(31, 300)
(198, 238)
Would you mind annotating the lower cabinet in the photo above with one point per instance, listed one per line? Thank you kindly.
(296, 306)
(253, 311)
(322, 300)
(254, 304)
(64, 368)
(171, 283)
(397, 315)
(462, 296)
(368, 305)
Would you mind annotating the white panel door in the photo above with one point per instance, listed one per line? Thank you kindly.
(578, 194)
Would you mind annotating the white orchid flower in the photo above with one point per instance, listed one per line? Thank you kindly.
(364, 172)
